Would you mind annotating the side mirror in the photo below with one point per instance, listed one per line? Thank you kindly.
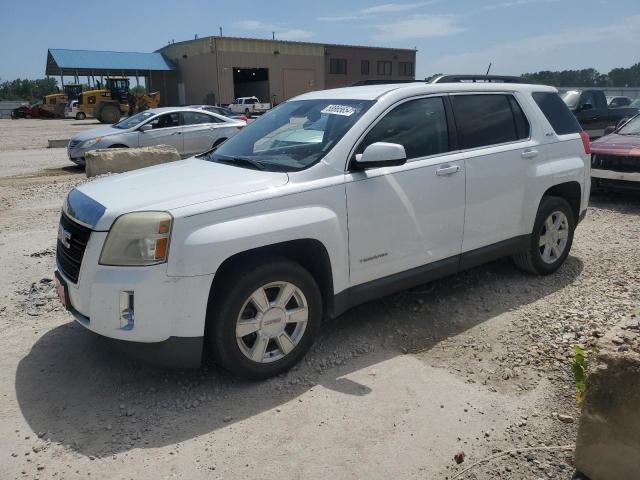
(381, 154)
(145, 127)
(586, 106)
(609, 130)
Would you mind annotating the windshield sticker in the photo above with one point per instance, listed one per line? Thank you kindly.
(344, 110)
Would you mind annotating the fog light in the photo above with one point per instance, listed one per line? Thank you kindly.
(126, 311)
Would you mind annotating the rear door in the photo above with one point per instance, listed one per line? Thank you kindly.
(166, 130)
(410, 215)
(201, 131)
(501, 160)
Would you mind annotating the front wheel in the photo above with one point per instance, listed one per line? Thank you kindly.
(264, 319)
(80, 116)
(551, 238)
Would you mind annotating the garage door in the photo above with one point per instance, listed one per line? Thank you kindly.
(297, 81)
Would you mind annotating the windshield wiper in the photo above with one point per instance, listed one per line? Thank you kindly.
(246, 160)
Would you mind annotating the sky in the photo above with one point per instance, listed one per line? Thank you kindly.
(451, 36)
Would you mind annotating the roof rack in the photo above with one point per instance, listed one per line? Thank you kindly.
(477, 79)
(375, 81)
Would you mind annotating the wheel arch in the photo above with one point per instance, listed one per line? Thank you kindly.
(571, 192)
(310, 253)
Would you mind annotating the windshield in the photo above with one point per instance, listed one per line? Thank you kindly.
(293, 136)
(131, 122)
(571, 99)
(632, 127)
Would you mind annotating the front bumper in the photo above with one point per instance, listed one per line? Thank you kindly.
(164, 308)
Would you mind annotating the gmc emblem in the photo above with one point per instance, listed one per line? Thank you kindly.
(64, 236)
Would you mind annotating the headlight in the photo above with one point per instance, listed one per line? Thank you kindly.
(139, 238)
(90, 143)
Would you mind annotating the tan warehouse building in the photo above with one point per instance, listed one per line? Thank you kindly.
(218, 69)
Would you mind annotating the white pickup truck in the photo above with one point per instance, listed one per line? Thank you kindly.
(333, 199)
(249, 105)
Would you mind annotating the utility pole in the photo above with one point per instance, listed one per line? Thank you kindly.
(273, 35)
(220, 31)
(488, 69)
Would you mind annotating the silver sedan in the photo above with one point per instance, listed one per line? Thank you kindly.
(190, 130)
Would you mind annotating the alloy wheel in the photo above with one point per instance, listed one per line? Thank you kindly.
(272, 322)
(553, 237)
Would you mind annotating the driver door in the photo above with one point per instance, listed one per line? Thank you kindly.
(166, 130)
(412, 215)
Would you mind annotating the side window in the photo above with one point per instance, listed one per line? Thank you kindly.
(601, 101)
(488, 119)
(560, 117)
(166, 121)
(364, 67)
(195, 118)
(420, 126)
(587, 97)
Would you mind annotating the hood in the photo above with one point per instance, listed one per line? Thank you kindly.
(97, 132)
(165, 187)
(614, 144)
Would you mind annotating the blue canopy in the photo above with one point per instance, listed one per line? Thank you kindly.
(92, 62)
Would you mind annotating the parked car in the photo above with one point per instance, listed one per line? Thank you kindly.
(332, 199)
(635, 103)
(190, 130)
(225, 112)
(615, 102)
(615, 158)
(249, 106)
(30, 111)
(591, 109)
(71, 111)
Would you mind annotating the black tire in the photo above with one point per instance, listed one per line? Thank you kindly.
(118, 145)
(531, 259)
(80, 116)
(228, 303)
(247, 112)
(109, 114)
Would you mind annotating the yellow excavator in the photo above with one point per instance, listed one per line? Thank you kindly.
(56, 102)
(108, 104)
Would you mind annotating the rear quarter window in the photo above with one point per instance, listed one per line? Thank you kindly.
(558, 114)
(488, 119)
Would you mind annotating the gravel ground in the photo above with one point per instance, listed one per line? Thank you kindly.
(475, 366)
(30, 133)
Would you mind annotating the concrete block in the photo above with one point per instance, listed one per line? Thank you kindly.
(58, 143)
(118, 160)
(608, 444)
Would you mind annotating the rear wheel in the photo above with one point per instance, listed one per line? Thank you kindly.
(247, 112)
(80, 116)
(109, 114)
(551, 238)
(264, 319)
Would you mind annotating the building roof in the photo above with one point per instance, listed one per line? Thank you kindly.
(91, 62)
(276, 42)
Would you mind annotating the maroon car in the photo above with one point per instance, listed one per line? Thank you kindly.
(615, 158)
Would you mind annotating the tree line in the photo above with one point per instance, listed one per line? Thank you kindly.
(27, 90)
(588, 77)
(33, 91)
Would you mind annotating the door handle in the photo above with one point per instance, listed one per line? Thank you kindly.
(176, 133)
(447, 170)
(529, 153)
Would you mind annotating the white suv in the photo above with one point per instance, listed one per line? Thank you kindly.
(332, 199)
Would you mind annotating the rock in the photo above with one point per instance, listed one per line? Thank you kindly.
(118, 160)
(227, 419)
(609, 433)
(565, 418)
(459, 457)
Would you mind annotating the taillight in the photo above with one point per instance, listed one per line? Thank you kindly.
(585, 142)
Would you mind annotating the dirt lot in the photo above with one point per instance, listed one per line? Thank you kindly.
(477, 363)
(29, 133)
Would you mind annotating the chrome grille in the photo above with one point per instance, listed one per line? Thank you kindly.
(72, 242)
